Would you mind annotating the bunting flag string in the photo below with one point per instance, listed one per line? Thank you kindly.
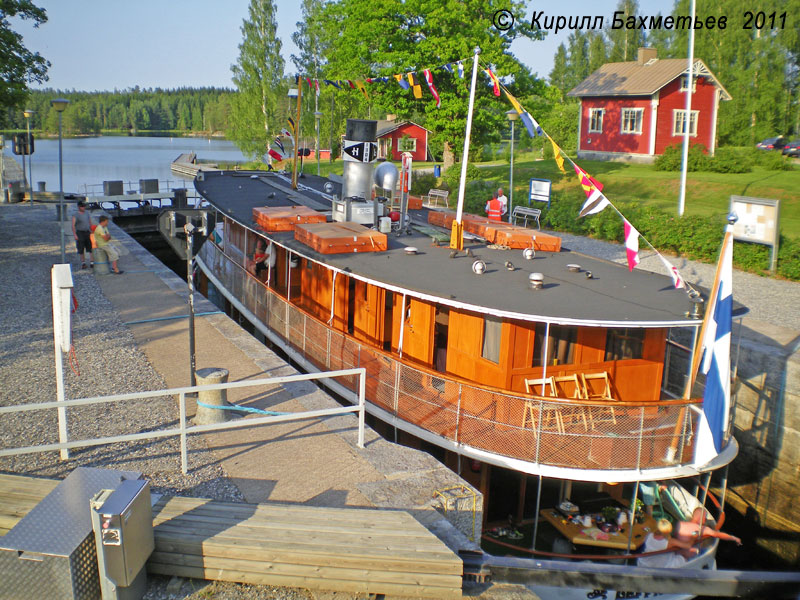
(495, 82)
(429, 80)
(275, 155)
(279, 143)
(360, 85)
(333, 83)
(631, 244)
(460, 69)
(403, 83)
(415, 86)
(557, 155)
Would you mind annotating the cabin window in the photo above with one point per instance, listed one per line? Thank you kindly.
(492, 329)
(596, 120)
(624, 343)
(685, 83)
(406, 144)
(632, 120)
(679, 122)
(235, 243)
(560, 345)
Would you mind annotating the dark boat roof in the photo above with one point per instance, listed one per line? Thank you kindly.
(613, 296)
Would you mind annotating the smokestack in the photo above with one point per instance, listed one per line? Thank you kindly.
(358, 168)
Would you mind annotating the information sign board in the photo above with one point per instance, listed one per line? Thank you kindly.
(757, 221)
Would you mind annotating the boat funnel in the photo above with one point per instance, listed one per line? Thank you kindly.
(359, 152)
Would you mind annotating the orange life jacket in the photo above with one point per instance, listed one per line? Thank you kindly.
(494, 209)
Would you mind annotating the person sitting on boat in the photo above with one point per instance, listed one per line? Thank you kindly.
(263, 257)
(494, 208)
(694, 530)
(661, 539)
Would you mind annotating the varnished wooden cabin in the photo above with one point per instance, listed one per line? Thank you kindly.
(580, 379)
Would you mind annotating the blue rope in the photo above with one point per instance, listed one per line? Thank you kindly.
(154, 319)
(243, 409)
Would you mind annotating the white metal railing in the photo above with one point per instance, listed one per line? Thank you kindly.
(132, 187)
(631, 435)
(182, 430)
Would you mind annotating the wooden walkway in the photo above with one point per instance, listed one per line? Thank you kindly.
(340, 549)
(186, 164)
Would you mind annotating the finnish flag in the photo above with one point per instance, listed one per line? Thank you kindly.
(717, 363)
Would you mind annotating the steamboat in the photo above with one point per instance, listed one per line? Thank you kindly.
(554, 382)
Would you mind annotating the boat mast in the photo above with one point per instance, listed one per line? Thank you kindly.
(457, 233)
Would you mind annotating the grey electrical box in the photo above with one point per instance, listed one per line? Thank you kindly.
(113, 188)
(148, 186)
(122, 520)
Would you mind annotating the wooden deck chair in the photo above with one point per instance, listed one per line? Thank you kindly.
(546, 388)
(571, 386)
(597, 386)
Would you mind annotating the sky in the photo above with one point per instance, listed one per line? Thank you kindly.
(118, 44)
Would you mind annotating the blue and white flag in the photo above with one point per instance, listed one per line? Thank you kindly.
(460, 69)
(717, 363)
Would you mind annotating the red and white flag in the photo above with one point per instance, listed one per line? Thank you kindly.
(631, 244)
(275, 154)
(677, 280)
(495, 82)
(429, 80)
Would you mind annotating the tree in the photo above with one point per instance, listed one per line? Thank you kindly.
(374, 39)
(625, 42)
(559, 76)
(598, 53)
(258, 75)
(18, 65)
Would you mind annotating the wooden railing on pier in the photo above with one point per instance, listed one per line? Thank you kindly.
(186, 164)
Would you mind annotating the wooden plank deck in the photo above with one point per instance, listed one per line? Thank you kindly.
(339, 549)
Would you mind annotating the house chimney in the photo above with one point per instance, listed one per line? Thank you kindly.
(646, 54)
(391, 118)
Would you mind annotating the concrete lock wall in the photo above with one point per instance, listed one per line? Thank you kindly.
(765, 475)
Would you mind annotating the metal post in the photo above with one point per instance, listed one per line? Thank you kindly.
(62, 412)
(362, 394)
(317, 116)
(184, 459)
(687, 119)
(61, 194)
(188, 228)
(297, 134)
(24, 176)
(511, 175)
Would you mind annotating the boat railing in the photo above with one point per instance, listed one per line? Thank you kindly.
(585, 434)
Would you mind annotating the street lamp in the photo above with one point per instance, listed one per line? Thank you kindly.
(296, 93)
(317, 117)
(28, 114)
(59, 104)
(512, 116)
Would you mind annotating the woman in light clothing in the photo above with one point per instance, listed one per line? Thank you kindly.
(661, 539)
(102, 238)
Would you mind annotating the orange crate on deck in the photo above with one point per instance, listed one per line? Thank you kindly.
(414, 203)
(284, 218)
(340, 238)
(441, 218)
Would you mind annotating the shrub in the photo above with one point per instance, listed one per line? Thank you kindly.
(452, 176)
(420, 184)
(731, 160)
(772, 160)
(672, 158)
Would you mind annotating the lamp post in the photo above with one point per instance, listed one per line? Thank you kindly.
(317, 117)
(296, 93)
(512, 116)
(28, 114)
(59, 104)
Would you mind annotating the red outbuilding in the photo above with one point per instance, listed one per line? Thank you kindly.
(396, 137)
(634, 110)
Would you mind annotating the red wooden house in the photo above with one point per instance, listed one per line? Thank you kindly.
(634, 110)
(396, 137)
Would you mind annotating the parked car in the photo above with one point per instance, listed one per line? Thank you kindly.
(792, 149)
(773, 143)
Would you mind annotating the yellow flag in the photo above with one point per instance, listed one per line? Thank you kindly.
(415, 86)
(360, 85)
(557, 155)
(514, 102)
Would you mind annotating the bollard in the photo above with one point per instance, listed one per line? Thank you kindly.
(101, 264)
(207, 416)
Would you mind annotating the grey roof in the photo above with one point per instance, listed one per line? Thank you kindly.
(613, 294)
(636, 79)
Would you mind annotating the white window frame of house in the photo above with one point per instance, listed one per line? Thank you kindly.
(411, 140)
(599, 113)
(638, 120)
(679, 114)
(685, 85)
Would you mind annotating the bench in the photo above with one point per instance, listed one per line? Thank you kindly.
(434, 196)
(525, 213)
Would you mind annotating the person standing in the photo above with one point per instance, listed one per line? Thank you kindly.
(82, 231)
(103, 238)
(494, 209)
(503, 200)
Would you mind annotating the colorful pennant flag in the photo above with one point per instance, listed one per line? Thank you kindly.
(361, 88)
(557, 155)
(308, 81)
(351, 84)
(402, 82)
(631, 244)
(530, 123)
(495, 82)
(292, 127)
(583, 175)
(415, 86)
(677, 280)
(429, 80)
(316, 85)
(279, 143)
(448, 67)
(274, 154)
(460, 69)
(717, 362)
(595, 200)
(333, 83)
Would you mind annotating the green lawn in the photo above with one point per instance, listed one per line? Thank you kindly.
(706, 193)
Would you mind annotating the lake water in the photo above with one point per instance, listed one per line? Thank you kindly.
(88, 161)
